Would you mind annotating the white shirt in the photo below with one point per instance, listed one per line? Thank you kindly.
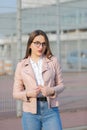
(37, 68)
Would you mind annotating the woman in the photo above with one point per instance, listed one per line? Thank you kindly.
(38, 82)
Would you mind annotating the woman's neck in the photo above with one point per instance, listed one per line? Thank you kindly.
(35, 58)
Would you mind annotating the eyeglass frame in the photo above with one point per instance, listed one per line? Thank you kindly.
(39, 44)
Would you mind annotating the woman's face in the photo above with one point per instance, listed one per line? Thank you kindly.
(38, 46)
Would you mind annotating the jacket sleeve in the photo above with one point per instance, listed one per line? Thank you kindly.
(18, 88)
(59, 85)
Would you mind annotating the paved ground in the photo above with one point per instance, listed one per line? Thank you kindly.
(73, 103)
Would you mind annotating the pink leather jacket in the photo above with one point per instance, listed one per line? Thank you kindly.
(24, 76)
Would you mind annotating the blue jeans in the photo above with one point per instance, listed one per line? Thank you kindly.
(45, 119)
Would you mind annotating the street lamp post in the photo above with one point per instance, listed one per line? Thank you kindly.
(19, 48)
(58, 29)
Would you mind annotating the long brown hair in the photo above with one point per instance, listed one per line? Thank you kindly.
(35, 33)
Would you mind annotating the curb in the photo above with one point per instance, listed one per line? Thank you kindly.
(77, 128)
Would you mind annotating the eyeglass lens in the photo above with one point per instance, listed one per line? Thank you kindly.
(37, 43)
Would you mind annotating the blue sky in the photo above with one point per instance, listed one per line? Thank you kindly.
(7, 5)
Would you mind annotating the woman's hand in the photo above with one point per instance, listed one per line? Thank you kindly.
(33, 93)
(47, 91)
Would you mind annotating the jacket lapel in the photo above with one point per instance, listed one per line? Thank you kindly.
(28, 68)
(45, 66)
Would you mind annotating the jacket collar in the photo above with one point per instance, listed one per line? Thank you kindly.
(28, 68)
(45, 66)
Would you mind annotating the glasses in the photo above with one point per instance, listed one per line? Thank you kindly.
(38, 44)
